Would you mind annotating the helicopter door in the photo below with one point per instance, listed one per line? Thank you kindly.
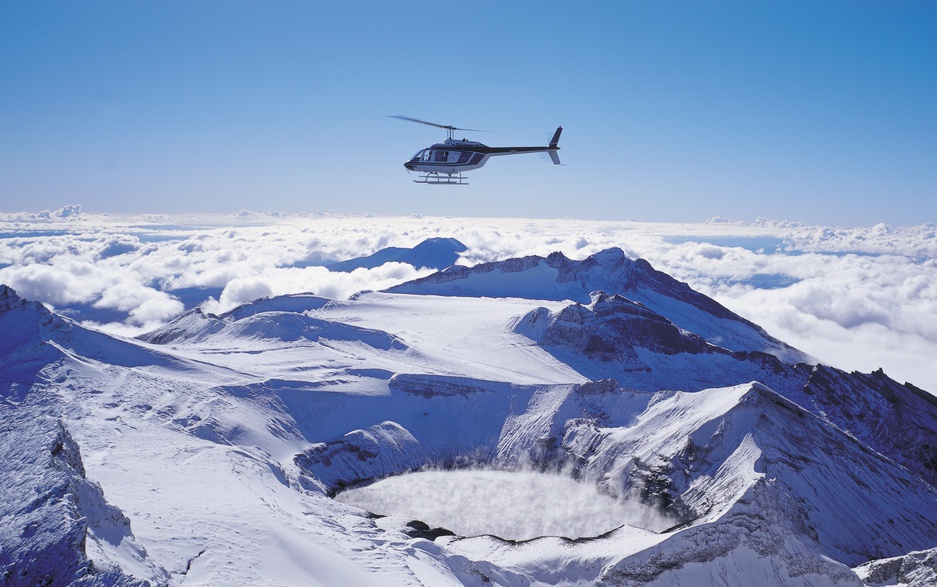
(446, 156)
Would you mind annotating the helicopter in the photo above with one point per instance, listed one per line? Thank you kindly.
(443, 163)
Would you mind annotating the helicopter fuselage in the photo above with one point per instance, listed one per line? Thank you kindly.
(451, 156)
(455, 156)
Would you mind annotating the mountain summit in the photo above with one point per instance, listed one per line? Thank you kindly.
(556, 277)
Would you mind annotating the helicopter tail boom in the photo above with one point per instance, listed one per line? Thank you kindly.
(551, 149)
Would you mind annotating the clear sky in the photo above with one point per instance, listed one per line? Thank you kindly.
(822, 112)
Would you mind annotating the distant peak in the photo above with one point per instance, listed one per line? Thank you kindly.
(435, 253)
(26, 326)
(10, 300)
(604, 257)
(609, 256)
(442, 241)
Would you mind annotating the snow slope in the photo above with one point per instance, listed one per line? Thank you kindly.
(557, 277)
(207, 451)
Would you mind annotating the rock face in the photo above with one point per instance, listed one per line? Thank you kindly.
(26, 326)
(897, 420)
(39, 488)
(915, 569)
(617, 337)
(378, 451)
(616, 325)
(52, 515)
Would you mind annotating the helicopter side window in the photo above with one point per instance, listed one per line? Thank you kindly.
(426, 155)
(441, 156)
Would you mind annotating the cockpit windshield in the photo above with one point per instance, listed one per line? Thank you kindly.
(424, 155)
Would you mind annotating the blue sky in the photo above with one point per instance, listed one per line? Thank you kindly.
(821, 112)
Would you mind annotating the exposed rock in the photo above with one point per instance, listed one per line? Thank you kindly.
(51, 513)
(915, 569)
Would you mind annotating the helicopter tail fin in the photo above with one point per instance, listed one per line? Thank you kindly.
(554, 146)
(555, 141)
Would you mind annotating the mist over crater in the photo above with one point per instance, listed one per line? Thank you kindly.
(509, 504)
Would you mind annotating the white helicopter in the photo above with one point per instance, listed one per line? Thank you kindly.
(443, 163)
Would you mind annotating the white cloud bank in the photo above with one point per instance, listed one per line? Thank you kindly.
(855, 298)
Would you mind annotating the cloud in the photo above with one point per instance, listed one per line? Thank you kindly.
(856, 298)
(244, 289)
(118, 245)
(856, 312)
(142, 304)
(317, 280)
(58, 286)
(70, 211)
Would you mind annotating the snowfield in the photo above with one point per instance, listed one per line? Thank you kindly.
(209, 451)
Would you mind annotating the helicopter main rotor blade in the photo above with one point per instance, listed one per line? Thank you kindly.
(445, 126)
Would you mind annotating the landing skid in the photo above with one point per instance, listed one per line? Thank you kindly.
(436, 178)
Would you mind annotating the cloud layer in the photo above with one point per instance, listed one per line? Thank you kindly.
(856, 298)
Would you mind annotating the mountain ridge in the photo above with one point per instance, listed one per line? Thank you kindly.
(556, 277)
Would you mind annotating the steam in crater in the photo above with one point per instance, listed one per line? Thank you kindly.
(514, 505)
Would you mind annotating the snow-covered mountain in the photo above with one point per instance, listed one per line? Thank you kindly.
(434, 253)
(557, 277)
(208, 451)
